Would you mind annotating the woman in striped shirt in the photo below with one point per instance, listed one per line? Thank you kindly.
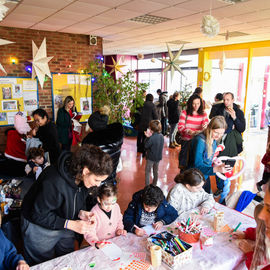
(192, 121)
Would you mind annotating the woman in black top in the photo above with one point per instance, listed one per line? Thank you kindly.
(46, 131)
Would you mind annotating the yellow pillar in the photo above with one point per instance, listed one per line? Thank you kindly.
(250, 55)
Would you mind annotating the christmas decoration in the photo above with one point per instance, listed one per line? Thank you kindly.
(210, 26)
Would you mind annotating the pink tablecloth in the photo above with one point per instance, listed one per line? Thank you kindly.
(223, 255)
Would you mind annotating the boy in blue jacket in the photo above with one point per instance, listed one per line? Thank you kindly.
(9, 259)
(148, 206)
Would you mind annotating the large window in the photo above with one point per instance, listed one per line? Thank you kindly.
(154, 80)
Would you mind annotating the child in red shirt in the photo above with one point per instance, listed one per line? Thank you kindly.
(266, 173)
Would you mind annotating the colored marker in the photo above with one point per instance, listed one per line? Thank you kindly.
(236, 228)
(179, 243)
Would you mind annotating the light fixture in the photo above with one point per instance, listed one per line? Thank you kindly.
(13, 60)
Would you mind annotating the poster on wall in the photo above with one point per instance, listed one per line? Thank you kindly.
(17, 94)
(76, 85)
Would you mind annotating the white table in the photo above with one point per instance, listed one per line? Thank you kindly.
(223, 255)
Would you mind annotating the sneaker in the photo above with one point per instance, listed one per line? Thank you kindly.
(259, 187)
(217, 193)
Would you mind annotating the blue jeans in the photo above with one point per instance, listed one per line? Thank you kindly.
(42, 244)
(223, 185)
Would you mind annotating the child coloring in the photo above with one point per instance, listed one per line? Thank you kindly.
(266, 172)
(108, 217)
(154, 146)
(36, 162)
(188, 193)
(148, 207)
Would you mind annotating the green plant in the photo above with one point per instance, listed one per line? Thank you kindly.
(123, 95)
(185, 94)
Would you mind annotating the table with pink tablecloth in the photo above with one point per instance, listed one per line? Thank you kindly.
(223, 254)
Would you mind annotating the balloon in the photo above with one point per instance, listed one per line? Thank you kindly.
(223, 177)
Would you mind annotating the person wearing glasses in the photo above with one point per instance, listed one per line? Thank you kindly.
(109, 220)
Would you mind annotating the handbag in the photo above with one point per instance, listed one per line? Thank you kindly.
(184, 154)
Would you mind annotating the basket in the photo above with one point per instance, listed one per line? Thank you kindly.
(177, 260)
(189, 237)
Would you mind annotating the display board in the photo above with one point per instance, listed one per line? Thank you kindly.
(79, 86)
(17, 94)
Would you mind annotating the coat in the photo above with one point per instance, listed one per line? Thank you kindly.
(173, 111)
(64, 126)
(54, 197)
(165, 212)
(154, 147)
(105, 227)
(149, 113)
(162, 109)
(8, 254)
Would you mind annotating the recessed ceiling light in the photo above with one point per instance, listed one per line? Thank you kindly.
(233, 1)
(150, 19)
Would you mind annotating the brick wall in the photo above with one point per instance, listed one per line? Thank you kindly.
(67, 49)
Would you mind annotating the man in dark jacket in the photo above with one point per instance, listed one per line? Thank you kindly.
(162, 110)
(236, 124)
(53, 208)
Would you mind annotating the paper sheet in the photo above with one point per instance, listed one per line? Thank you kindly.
(149, 229)
(29, 85)
(112, 251)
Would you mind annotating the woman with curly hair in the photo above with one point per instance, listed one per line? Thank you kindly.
(54, 207)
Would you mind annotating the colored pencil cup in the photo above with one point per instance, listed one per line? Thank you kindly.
(189, 237)
(156, 255)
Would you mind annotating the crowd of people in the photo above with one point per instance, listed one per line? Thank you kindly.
(75, 197)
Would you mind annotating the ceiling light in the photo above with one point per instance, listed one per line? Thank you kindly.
(150, 19)
(233, 34)
(233, 1)
(178, 42)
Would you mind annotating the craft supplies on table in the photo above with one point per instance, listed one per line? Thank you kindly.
(175, 252)
(189, 231)
(218, 221)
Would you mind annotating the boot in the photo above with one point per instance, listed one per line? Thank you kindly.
(176, 144)
(171, 145)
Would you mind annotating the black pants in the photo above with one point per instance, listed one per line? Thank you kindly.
(164, 125)
(140, 141)
(265, 178)
(11, 167)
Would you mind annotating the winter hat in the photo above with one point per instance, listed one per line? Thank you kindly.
(98, 121)
(20, 123)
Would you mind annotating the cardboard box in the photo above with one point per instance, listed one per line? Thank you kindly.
(177, 260)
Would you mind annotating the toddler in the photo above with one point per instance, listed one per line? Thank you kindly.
(266, 172)
(108, 217)
(153, 146)
(188, 193)
(148, 206)
(36, 162)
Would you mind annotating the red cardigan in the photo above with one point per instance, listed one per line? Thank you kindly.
(251, 235)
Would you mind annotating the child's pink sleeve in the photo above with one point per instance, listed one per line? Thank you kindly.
(120, 225)
(91, 237)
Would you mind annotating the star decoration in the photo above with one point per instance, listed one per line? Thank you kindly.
(40, 66)
(116, 67)
(173, 62)
(4, 42)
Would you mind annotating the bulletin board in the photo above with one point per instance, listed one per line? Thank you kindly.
(17, 94)
(79, 86)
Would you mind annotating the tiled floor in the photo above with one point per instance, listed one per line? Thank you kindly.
(132, 175)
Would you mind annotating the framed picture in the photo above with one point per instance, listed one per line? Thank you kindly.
(9, 105)
(6, 91)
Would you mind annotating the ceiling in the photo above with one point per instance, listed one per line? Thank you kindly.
(110, 19)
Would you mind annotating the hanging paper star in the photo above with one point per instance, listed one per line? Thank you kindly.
(40, 66)
(173, 62)
(116, 67)
(222, 63)
(4, 42)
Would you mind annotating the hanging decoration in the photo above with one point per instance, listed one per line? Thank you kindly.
(140, 56)
(222, 62)
(116, 67)
(210, 26)
(3, 42)
(153, 60)
(3, 9)
(40, 67)
(173, 62)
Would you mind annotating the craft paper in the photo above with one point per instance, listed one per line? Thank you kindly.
(112, 251)
(16, 91)
(29, 85)
(72, 79)
(86, 107)
(9, 105)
